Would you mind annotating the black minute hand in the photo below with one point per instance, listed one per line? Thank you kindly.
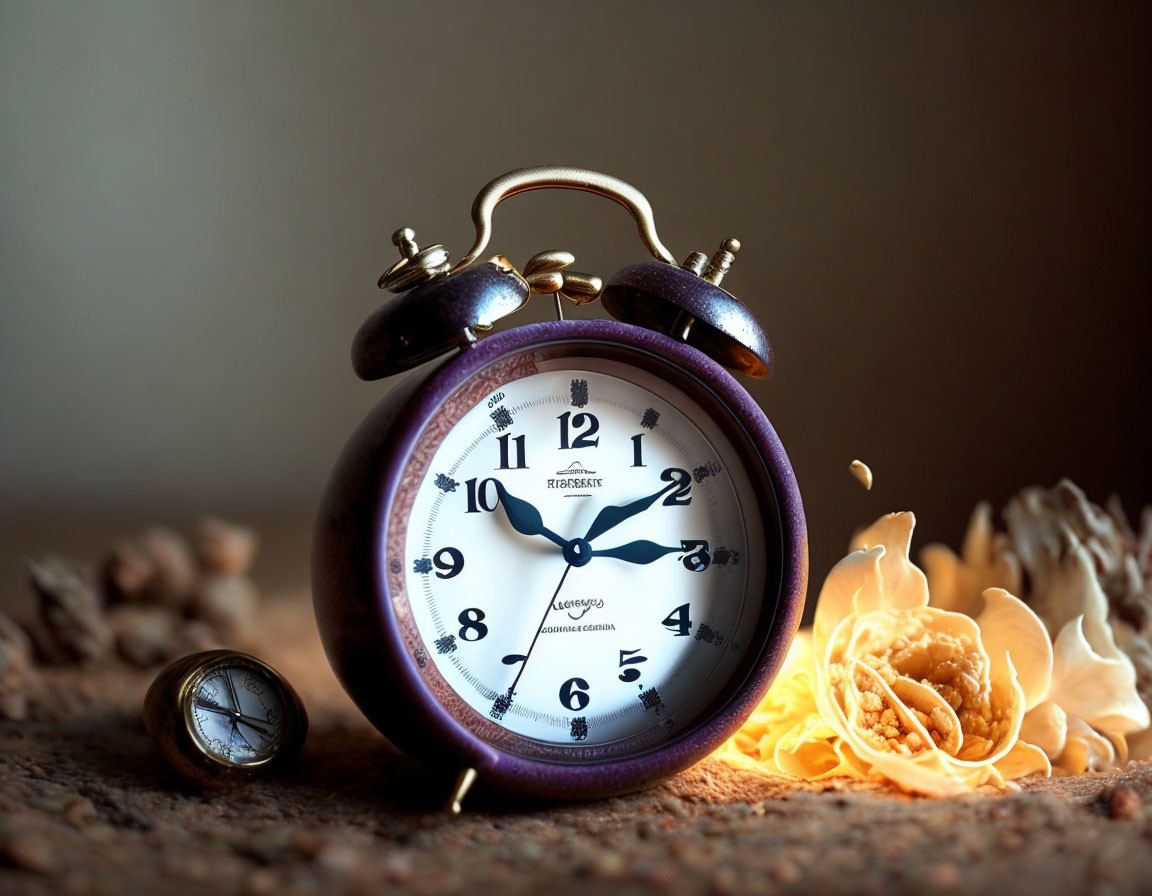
(525, 518)
(643, 552)
(614, 516)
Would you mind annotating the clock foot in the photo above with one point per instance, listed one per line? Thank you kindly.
(460, 790)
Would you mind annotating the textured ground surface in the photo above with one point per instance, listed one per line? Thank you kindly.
(86, 807)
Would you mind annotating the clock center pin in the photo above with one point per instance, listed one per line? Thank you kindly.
(578, 552)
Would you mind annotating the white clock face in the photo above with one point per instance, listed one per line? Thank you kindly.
(237, 714)
(584, 556)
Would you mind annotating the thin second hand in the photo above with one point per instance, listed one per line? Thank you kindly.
(539, 628)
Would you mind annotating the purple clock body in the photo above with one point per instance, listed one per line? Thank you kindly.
(354, 569)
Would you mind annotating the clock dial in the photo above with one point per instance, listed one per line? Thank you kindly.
(580, 555)
(237, 714)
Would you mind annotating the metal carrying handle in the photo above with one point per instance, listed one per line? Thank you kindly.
(561, 177)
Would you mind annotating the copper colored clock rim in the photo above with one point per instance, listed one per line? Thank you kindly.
(354, 608)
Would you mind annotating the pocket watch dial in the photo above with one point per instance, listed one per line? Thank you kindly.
(584, 555)
(237, 714)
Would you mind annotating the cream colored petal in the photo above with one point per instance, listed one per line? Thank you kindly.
(1085, 750)
(849, 760)
(1100, 691)
(1046, 727)
(828, 695)
(807, 751)
(1008, 702)
(1008, 629)
(1022, 760)
(951, 584)
(977, 546)
(929, 773)
(1007, 699)
(1080, 579)
(989, 551)
(1064, 586)
(903, 585)
(859, 571)
(986, 560)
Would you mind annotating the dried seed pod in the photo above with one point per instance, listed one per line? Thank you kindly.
(71, 608)
(15, 647)
(13, 702)
(145, 636)
(227, 603)
(581, 288)
(174, 580)
(126, 571)
(156, 567)
(17, 674)
(224, 547)
(548, 262)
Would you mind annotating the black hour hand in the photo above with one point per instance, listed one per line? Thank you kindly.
(642, 552)
(525, 518)
(613, 516)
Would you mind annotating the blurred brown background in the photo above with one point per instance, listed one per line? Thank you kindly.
(945, 213)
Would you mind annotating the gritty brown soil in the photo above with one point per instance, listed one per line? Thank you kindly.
(86, 807)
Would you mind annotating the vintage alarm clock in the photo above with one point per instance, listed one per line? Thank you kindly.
(569, 558)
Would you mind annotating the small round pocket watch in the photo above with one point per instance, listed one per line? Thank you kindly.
(221, 716)
(568, 559)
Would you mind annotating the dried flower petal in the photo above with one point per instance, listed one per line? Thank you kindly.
(986, 561)
(901, 585)
(862, 472)
(1087, 582)
(1099, 690)
(1085, 750)
(1046, 727)
(1009, 629)
(941, 702)
(901, 689)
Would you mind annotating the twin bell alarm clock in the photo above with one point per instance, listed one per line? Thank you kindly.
(566, 559)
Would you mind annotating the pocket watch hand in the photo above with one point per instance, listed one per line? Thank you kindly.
(525, 518)
(213, 707)
(240, 717)
(232, 690)
(638, 552)
(612, 516)
(240, 734)
(246, 720)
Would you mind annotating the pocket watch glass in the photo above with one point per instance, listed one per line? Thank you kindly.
(236, 714)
